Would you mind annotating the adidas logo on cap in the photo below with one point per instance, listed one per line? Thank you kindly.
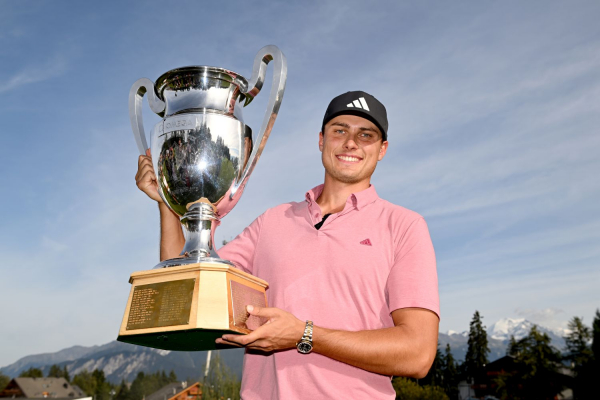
(359, 103)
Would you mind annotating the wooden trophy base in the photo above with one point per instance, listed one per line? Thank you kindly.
(189, 306)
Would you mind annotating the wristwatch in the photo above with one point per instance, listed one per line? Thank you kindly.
(305, 345)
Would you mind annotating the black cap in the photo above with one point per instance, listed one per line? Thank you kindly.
(360, 104)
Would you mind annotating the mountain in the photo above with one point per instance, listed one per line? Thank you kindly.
(123, 361)
(499, 335)
(519, 328)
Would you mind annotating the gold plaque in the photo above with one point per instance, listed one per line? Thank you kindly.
(187, 307)
(161, 304)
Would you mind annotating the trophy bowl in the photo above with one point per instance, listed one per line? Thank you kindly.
(203, 154)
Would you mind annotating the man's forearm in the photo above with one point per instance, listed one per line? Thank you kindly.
(171, 235)
(390, 351)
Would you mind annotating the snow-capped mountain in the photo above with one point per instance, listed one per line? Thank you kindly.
(124, 361)
(519, 328)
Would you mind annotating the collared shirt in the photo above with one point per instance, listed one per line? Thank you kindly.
(364, 262)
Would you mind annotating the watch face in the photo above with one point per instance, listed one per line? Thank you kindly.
(304, 347)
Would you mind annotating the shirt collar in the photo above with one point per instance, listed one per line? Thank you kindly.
(358, 199)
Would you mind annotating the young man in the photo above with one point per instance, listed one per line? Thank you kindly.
(352, 278)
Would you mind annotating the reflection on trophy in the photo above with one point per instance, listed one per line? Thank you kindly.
(203, 155)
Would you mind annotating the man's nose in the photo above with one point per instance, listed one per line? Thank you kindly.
(350, 143)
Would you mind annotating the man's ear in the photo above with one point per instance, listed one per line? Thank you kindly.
(321, 141)
(382, 150)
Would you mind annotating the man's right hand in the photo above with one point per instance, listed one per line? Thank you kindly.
(145, 178)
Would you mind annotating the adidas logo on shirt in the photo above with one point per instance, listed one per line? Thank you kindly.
(366, 242)
(359, 103)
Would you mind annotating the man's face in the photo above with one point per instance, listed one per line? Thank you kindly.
(351, 146)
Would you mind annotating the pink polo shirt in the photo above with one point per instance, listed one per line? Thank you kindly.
(366, 261)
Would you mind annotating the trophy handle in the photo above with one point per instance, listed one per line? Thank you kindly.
(137, 91)
(263, 57)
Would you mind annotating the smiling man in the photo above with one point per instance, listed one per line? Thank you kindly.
(353, 282)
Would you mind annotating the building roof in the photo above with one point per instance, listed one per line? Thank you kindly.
(180, 390)
(45, 387)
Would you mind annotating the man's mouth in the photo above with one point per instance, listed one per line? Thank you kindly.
(352, 159)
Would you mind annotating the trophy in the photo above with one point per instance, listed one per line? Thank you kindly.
(203, 155)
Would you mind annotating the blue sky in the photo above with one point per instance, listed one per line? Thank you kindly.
(494, 138)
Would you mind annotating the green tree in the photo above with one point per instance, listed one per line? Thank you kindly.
(84, 381)
(579, 352)
(57, 372)
(477, 351)
(220, 383)
(146, 384)
(408, 389)
(122, 391)
(94, 384)
(450, 376)
(596, 340)
(4, 380)
(32, 373)
(539, 363)
(512, 350)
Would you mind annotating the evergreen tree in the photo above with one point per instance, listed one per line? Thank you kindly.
(539, 363)
(146, 384)
(220, 383)
(66, 374)
(32, 373)
(596, 339)
(477, 351)
(450, 375)
(84, 381)
(122, 392)
(58, 372)
(4, 380)
(511, 350)
(579, 352)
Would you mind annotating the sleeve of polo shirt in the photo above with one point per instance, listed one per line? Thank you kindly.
(240, 250)
(412, 281)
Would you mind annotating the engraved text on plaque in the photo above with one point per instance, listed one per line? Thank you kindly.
(161, 304)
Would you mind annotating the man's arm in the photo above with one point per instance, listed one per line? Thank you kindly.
(407, 349)
(171, 236)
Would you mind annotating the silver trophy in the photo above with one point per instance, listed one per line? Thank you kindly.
(203, 154)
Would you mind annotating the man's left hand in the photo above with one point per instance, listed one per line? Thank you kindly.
(281, 331)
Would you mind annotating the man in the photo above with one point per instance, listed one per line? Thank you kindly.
(353, 285)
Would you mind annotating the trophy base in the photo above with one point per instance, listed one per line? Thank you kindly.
(187, 307)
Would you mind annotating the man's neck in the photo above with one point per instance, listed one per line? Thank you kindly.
(334, 195)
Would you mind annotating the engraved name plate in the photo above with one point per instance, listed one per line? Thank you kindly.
(161, 304)
(241, 296)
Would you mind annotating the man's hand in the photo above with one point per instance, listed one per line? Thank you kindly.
(145, 178)
(282, 331)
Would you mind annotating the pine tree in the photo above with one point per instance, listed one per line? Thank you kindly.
(32, 373)
(220, 383)
(450, 373)
(122, 392)
(540, 362)
(579, 352)
(57, 372)
(511, 350)
(4, 380)
(477, 351)
(596, 339)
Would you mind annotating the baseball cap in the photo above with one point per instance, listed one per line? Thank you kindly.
(361, 104)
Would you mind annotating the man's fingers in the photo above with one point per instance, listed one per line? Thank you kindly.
(265, 312)
(226, 342)
(148, 152)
